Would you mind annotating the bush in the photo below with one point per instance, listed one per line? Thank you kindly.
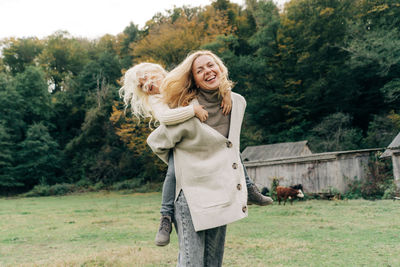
(99, 186)
(83, 183)
(39, 191)
(54, 190)
(127, 184)
(274, 185)
(354, 190)
(378, 180)
(391, 192)
(62, 189)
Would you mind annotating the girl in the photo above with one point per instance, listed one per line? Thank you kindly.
(141, 91)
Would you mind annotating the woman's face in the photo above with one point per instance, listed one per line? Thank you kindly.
(206, 73)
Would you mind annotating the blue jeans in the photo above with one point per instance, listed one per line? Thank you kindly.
(168, 191)
(197, 249)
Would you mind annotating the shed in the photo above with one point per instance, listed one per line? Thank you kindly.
(317, 173)
(393, 150)
(274, 151)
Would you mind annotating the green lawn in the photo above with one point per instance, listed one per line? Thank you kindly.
(110, 229)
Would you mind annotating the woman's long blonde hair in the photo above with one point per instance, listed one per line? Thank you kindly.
(179, 88)
(135, 95)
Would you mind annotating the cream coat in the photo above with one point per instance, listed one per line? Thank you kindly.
(207, 166)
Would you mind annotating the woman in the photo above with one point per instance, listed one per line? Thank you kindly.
(140, 92)
(210, 181)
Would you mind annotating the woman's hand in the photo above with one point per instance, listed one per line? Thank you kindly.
(200, 112)
(226, 104)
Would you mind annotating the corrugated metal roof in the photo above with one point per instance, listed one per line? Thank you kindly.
(394, 146)
(279, 150)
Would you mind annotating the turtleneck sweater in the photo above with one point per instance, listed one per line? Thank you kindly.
(211, 101)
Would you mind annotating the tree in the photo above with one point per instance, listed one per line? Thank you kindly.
(126, 40)
(20, 53)
(62, 59)
(32, 87)
(375, 52)
(312, 62)
(335, 133)
(170, 39)
(134, 134)
(38, 158)
(7, 148)
(382, 129)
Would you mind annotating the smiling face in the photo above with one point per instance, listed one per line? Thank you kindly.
(150, 83)
(206, 73)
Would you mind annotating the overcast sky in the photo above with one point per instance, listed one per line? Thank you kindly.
(82, 18)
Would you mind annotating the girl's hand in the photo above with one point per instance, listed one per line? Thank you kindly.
(200, 112)
(226, 104)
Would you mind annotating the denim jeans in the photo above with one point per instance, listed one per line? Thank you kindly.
(168, 191)
(197, 249)
(249, 182)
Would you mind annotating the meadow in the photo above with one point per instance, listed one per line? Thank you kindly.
(115, 229)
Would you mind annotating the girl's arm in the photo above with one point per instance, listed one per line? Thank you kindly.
(168, 116)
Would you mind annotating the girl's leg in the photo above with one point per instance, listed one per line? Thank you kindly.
(253, 194)
(249, 182)
(167, 205)
(168, 191)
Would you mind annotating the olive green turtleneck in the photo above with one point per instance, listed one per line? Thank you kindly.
(211, 101)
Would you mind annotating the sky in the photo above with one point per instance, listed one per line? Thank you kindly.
(83, 18)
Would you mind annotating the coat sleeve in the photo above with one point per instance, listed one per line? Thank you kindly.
(162, 139)
(160, 143)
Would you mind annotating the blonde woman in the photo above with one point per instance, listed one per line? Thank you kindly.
(211, 182)
(141, 92)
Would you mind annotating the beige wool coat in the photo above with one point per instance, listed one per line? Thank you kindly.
(207, 167)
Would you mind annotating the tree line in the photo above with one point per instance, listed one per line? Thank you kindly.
(327, 71)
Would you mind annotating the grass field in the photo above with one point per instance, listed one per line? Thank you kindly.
(110, 229)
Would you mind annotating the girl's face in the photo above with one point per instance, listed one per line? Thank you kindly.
(206, 73)
(151, 83)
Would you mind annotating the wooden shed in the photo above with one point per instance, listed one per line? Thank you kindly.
(273, 151)
(297, 165)
(393, 150)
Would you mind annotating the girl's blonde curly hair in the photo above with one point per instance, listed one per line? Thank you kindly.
(134, 93)
(179, 87)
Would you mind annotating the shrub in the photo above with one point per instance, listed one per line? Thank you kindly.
(274, 185)
(378, 180)
(391, 192)
(61, 189)
(83, 183)
(38, 191)
(127, 184)
(54, 190)
(99, 186)
(354, 190)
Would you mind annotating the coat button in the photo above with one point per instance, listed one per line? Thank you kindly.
(229, 144)
(244, 209)
(234, 165)
(239, 187)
